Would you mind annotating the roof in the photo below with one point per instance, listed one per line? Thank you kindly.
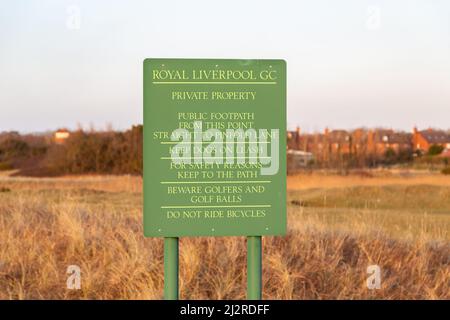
(338, 136)
(390, 136)
(435, 136)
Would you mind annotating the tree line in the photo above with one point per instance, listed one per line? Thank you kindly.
(120, 152)
(106, 152)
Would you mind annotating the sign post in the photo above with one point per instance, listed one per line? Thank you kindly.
(254, 268)
(214, 155)
(171, 268)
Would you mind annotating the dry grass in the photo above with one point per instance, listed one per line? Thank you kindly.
(95, 222)
(373, 178)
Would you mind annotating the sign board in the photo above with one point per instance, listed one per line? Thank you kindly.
(214, 147)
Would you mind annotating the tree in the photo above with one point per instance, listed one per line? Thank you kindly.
(405, 156)
(435, 149)
(390, 156)
(13, 148)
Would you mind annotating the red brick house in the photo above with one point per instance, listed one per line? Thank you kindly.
(362, 145)
(381, 140)
(423, 140)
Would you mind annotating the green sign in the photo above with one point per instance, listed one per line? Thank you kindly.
(214, 147)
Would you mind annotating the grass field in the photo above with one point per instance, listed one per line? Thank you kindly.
(337, 227)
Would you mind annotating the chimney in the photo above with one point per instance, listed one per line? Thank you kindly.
(297, 137)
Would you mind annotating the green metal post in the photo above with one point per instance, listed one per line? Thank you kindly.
(171, 268)
(254, 268)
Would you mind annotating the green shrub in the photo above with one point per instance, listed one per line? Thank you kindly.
(435, 149)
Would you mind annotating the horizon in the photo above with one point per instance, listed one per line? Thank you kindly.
(350, 64)
(108, 128)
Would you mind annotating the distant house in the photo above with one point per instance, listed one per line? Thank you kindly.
(338, 141)
(293, 139)
(302, 158)
(365, 146)
(61, 135)
(423, 140)
(320, 146)
(379, 141)
(298, 159)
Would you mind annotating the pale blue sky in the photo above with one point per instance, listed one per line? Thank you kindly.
(350, 63)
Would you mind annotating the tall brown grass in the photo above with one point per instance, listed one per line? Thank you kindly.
(96, 223)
